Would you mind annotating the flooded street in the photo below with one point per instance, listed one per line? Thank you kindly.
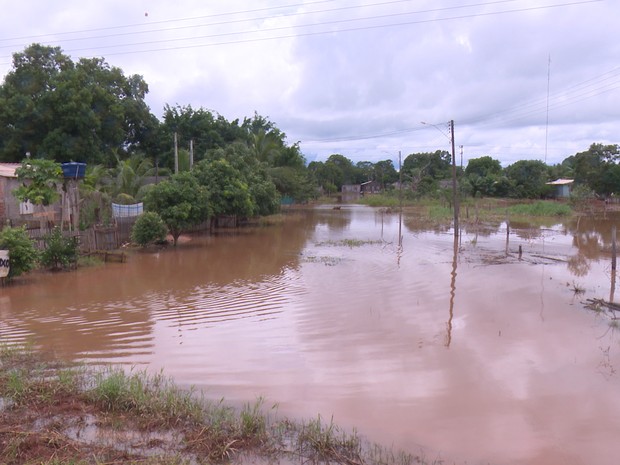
(461, 351)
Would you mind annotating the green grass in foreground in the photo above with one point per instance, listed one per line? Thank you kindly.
(42, 402)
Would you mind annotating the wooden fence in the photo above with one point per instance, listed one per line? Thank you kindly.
(99, 238)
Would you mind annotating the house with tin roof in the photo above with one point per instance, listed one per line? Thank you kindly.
(563, 187)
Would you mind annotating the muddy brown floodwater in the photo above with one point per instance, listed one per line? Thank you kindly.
(462, 351)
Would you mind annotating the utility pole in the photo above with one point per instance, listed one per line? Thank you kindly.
(191, 153)
(176, 154)
(455, 201)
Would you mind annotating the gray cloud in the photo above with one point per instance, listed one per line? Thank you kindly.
(358, 81)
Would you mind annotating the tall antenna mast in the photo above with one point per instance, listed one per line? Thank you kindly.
(547, 123)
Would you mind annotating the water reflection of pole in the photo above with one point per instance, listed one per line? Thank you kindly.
(507, 235)
(613, 264)
(400, 199)
(452, 290)
(400, 210)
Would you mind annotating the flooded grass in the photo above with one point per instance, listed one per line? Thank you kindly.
(541, 208)
(348, 243)
(56, 413)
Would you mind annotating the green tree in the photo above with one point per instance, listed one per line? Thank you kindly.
(23, 255)
(40, 180)
(238, 183)
(57, 109)
(436, 165)
(425, 170)
(148, 228)
(228, 191)
(294, 183)
(385, 173)
(529, 178)
(206, 129)
(181, 202)
(596, 168)
(335, 172)
(483, 166)
(482, 175)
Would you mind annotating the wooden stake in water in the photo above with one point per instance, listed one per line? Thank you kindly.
(613, 248)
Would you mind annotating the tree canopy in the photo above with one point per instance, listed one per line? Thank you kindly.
(56, 109)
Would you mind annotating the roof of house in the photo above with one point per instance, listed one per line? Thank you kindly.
(7, 170)
(561, 182)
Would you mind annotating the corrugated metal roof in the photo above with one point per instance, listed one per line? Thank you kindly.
(7, 170)
(561, 182)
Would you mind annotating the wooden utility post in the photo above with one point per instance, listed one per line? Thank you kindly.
(191, 153)
(455, 201)
(176, 154)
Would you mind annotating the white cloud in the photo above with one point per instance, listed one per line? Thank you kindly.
(332, 76)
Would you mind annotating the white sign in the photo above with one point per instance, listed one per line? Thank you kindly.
(4, 263)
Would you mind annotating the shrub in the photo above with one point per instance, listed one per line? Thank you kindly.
(148, 228)
(23, 255)
(60, 251)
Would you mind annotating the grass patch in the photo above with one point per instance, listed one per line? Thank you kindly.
(541, 208)
(50, 409)
(348, 243)
(438, 212)
(89, 260)
(380, 200)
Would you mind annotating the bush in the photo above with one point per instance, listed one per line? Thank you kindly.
(60, 251)
(23, 255)
(148, 228)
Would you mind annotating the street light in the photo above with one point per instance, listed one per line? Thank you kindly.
(455, 201)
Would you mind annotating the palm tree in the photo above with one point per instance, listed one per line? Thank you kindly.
(130, 175)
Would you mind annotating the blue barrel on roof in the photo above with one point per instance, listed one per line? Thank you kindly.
(73, 170)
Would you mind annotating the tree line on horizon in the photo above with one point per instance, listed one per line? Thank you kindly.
(89, 111)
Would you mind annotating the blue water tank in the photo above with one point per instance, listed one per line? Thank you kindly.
(73, 170)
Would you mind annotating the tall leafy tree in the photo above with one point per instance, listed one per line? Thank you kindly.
(384, 172)
(482, 174)
(206, 129)
(529, 178)
(54, 108)
(596, 168)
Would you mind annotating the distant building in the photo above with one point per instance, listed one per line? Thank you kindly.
(370, 187)
(351, 189)
(563, 187)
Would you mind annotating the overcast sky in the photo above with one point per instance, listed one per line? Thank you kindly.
(522, 79)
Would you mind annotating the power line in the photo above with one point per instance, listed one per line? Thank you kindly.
(323, 32)
(228, 22)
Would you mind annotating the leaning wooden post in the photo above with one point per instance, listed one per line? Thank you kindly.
(613, 248)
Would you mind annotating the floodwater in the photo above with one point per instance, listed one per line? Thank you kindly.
(459, 350)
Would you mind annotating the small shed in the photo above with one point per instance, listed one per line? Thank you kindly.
(563, 187)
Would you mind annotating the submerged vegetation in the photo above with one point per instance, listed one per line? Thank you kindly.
(59, 413)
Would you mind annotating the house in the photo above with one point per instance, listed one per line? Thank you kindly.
(370, 187)
(563, 187)
(351, 189)
(9, 205)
